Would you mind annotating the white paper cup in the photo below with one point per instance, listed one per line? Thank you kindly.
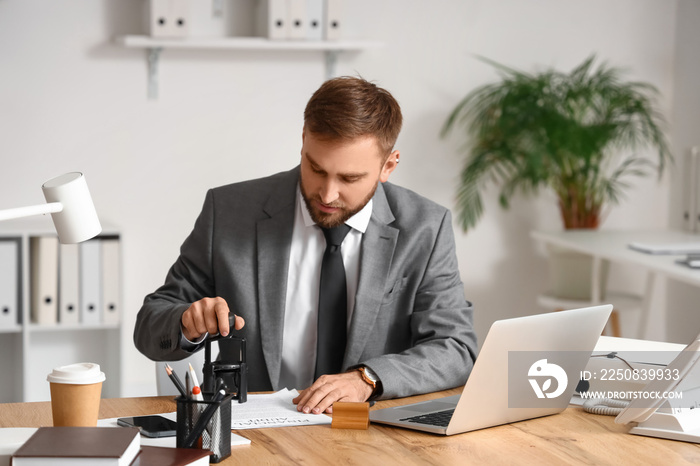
(75, 394)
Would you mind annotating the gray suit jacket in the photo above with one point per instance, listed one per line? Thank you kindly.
(411, 324)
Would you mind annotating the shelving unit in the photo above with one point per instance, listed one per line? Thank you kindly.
(31, 350)
(155, 46)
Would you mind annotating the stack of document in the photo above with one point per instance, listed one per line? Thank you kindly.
(666, 248)
(272, 410)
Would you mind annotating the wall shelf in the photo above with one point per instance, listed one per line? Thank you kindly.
(69, 327)
(154, 47)
(12, 329)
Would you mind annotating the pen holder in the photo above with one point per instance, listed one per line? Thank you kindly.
(216, 437)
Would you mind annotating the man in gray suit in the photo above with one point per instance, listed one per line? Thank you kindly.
(257, 250)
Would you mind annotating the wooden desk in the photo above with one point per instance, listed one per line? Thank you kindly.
(573, 437)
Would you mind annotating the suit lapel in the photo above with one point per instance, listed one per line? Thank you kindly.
(274, 236)
(378, 244)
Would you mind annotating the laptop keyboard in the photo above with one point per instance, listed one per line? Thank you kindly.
(438, 419)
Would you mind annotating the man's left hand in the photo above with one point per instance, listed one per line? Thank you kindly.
(319, 397)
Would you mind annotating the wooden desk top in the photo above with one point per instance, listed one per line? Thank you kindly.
(572, 437)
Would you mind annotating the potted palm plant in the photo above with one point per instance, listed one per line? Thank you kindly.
(578, 134)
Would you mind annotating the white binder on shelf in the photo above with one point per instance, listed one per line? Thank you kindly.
(333, 24)
(9, 282)
(111, 304)
(314, 19)
(68, 284)
(90, 282)
(296, 19)
(169, 18)
(43, 253)
(271, 21)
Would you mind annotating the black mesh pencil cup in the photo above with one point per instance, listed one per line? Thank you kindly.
(215, 434)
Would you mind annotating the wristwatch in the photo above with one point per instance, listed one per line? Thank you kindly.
(369, 376)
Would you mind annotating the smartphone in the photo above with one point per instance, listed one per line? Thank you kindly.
(150, 426)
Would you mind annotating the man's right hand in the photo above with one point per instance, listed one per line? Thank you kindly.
(208, 315)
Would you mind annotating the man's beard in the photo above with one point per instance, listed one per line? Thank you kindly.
(335, 219)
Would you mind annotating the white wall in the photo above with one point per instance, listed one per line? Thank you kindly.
(72, 100)
(684, 321)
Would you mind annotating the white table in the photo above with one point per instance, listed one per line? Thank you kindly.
(613, 246)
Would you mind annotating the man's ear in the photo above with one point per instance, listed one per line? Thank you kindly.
(389, 166)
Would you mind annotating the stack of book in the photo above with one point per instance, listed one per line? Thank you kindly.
(108, 446)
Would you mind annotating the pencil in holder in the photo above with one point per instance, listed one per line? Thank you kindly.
(216, 434)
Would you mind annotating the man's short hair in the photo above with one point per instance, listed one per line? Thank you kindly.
(348, 107)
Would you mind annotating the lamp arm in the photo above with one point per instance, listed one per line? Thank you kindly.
(20, 212)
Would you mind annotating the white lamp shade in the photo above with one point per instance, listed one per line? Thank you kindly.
(77, 221)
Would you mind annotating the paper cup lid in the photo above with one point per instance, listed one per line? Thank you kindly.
(81, 373)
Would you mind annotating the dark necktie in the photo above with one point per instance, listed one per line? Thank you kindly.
(332, 305)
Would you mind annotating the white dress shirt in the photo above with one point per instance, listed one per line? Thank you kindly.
(303, 277)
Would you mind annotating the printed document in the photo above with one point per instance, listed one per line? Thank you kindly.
(272, 410)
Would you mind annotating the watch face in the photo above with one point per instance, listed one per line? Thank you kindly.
(369, 373)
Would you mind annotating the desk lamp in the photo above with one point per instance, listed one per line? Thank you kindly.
(70, 205)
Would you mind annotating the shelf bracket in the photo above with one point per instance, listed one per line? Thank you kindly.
(331, 62)
(153, 59)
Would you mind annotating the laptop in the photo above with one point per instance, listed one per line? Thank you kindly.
(528, 367)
